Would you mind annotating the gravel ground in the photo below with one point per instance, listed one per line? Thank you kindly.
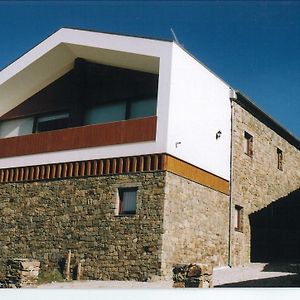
(252, 275)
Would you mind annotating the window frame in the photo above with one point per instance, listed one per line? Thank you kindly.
(279, 159)
(120, 211)
(248, 144)
(238, 218)
(36, 117)
(128, 108)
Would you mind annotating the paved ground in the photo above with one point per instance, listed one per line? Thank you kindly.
(252, 275)
(258, 275)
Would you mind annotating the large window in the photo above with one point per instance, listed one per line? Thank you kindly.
(51, 121)
(121, 110)
(16, 127)
(142, 108)
(105, 113)
(127, 201)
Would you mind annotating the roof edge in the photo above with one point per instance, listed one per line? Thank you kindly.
(120, 34)
(87, 30)
(257, 112)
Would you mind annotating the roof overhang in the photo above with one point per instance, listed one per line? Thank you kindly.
(55, 56)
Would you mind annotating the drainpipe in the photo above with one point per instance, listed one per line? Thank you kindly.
(230, 239)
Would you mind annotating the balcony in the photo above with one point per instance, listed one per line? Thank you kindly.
(120, 132)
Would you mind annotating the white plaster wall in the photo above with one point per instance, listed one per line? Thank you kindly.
(199, 108)
(16, 127)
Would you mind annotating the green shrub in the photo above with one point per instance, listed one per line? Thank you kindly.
(48, 276)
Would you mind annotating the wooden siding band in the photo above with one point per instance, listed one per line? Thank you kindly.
(122, 132)
(109, 166)
(195, 174)
(114, 166)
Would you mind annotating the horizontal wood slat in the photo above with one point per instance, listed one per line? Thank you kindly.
(195, 174)
(122, 132)
(108, 166)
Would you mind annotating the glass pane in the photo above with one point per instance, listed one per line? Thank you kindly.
(236, 218)
(52, 122)
(16, 127)
(143, 108)
(106, 113)
(129, 202)
(53, 117)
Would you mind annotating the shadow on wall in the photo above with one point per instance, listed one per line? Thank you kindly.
(275, 231)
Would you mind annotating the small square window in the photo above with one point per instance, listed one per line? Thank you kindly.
(238, 218)
(127, 201)
(279, 159)
(248, 144)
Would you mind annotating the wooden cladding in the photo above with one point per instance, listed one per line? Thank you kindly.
(109, 166)
(195, 174)
(114, 166)
(129, 131)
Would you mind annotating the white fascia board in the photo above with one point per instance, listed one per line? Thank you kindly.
(82, 154)
(29, 57)
(114, 42)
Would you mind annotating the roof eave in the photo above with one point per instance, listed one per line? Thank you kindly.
(245, 102)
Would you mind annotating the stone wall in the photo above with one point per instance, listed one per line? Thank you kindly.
(256, 180)
(43, 220)
(196, 224)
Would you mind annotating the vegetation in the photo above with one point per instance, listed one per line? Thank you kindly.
(49, 276)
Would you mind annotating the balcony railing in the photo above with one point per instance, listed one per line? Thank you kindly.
(121, 132)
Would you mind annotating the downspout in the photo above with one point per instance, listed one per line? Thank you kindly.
(230, 239)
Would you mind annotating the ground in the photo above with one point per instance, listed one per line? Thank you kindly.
(252, 275)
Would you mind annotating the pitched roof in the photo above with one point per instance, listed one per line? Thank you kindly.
(252, 108)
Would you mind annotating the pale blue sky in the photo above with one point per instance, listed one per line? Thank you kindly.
(254, 46)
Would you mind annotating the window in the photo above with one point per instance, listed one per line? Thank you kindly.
(248, 144)
(127, 201)
(51, 122)
(279, 159)
(142, 108)
(105, 113)
(121, 110)
(238, 218)
(16, 127)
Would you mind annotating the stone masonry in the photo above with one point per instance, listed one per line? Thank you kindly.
(21, 273)
(177, 221)
(256, 180)
(43, 220)
(196, 224)
(192, 276)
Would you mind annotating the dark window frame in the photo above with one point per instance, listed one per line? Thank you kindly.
(36, 117)
(279, 159)
(121, 192)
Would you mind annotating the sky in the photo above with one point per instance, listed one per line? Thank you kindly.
(253, 46)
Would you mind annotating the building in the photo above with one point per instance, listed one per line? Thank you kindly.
(135, 156)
